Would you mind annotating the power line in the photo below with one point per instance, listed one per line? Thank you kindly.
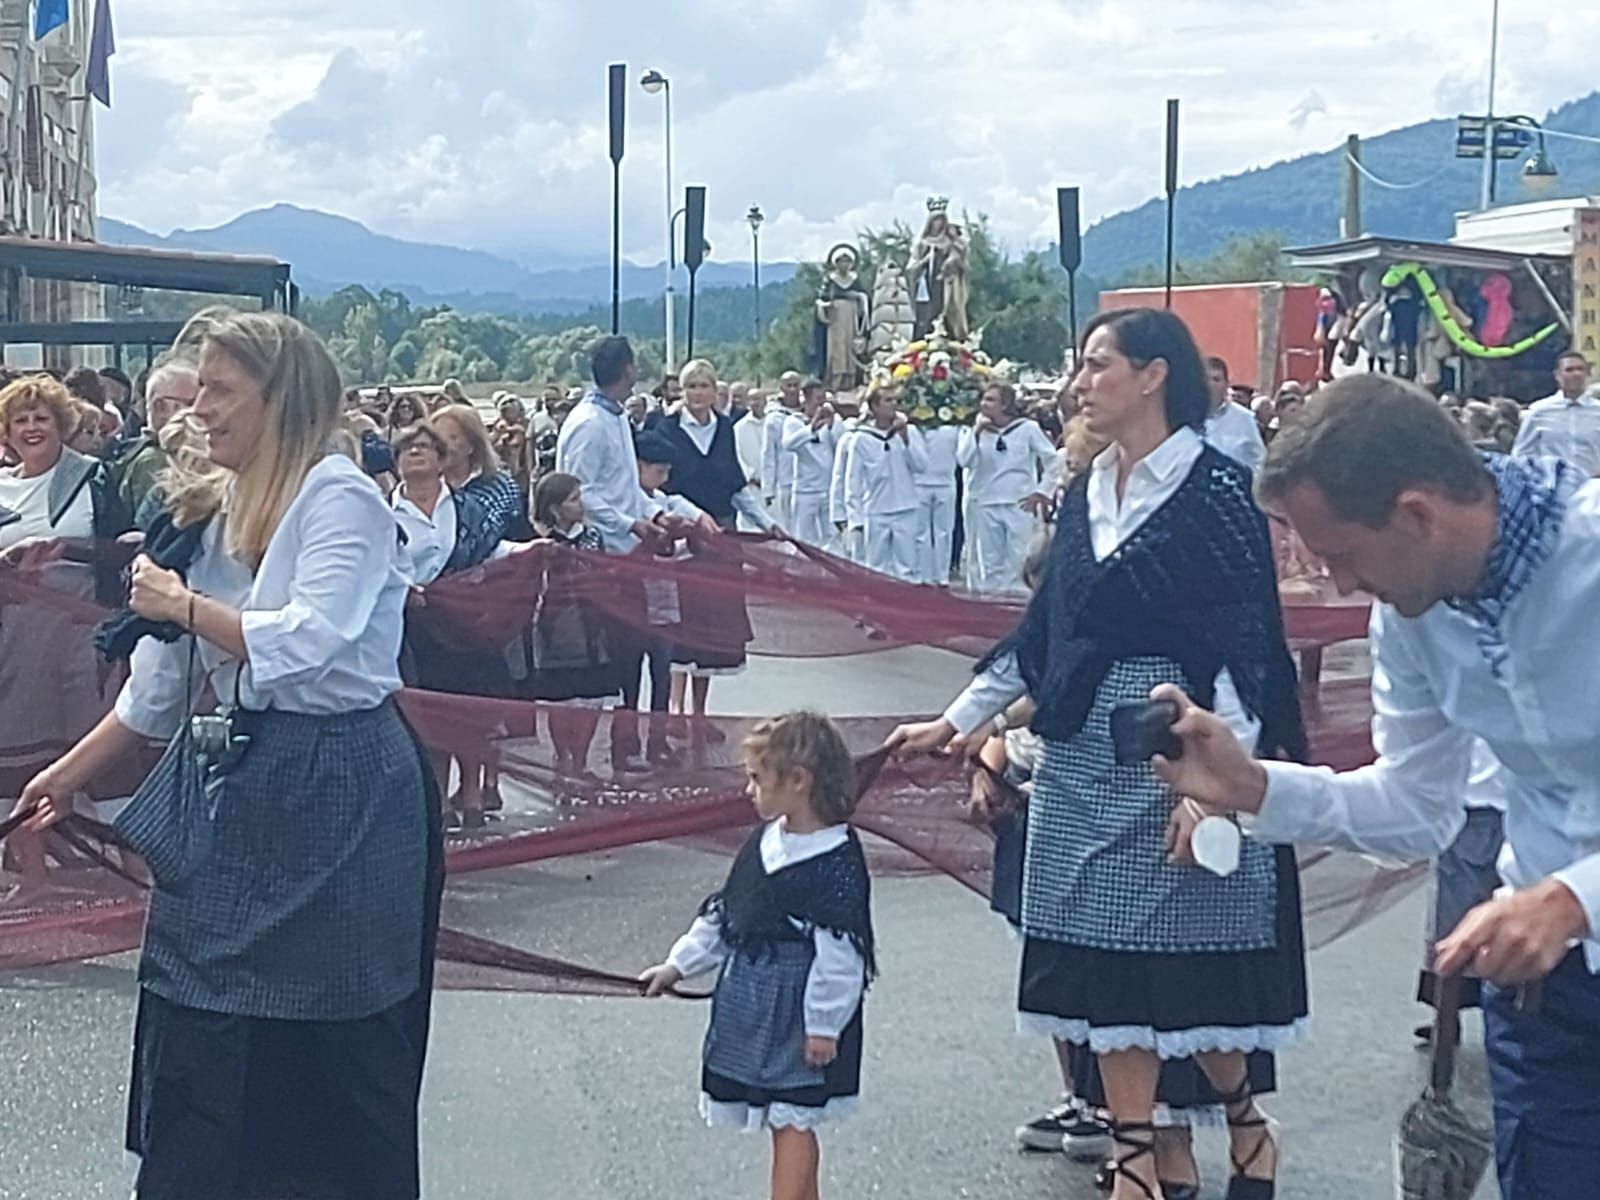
(1573, 137)
(1389, 183)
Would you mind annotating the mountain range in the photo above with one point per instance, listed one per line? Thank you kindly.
(328, 252)
(1298, 198)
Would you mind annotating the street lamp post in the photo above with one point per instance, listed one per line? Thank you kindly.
(1490, 163)
(652, 82)
(755, 217)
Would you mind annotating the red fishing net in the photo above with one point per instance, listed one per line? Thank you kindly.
(772, 599)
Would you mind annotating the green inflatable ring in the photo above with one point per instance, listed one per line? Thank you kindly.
(1462, 340)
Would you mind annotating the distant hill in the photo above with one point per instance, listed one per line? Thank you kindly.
(1300, 197)
(329, 252)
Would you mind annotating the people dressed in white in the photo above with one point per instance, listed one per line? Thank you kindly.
(884, 457)
(1567, 424)
(1230, 427)
(777, 468)
(749, 441)
(1004, 456)
(846, 523)
(936, 502)
(596, 445)
(809, 440)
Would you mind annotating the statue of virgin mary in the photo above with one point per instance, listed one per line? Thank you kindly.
(938, 271)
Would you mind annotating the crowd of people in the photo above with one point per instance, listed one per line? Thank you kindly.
(1161, 942)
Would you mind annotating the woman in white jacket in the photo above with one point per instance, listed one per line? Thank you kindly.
(1005, 456)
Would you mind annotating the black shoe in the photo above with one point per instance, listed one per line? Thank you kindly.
(1047, 1132)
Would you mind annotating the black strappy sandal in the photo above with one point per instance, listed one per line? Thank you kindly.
(1121, 1132)
(1242, 1113)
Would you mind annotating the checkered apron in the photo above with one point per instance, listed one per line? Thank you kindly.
(308, 903)
(1096, 872)
(758, 1024)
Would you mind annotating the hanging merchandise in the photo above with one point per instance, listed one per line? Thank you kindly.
(1405, 321)
(1332, 324)
(1497, 314)
(1415, 274)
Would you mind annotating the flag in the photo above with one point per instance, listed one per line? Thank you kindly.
(48, 15)
(102, 45)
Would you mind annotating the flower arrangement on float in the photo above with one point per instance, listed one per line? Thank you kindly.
(941, 379)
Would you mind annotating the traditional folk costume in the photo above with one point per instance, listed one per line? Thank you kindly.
(880, 485)
(286, 977)
(1003, 467)
(791, 931)
(706, 471)
(1173, 584)
(1517, 666)
(936, 508)
(569, 644)
(811, 451)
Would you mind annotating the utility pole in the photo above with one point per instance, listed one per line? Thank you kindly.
(1350, 222)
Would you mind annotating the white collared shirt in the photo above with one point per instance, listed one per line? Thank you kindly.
(811, 451)
(777, 467)
(1112, 520)
(429, 540)
(596, 445)
(1433, 695)
(749, 439)
(702, 434)
(322, 616)
(1232, 429)
(881, 473)
(838, 974)
(1562, 428)
(1008, 476)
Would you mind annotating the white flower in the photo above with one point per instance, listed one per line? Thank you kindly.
(940, 358)
(946, 413)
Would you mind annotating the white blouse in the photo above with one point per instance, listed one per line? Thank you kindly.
(429, 540)
(322, 616)
(838, 974)
(30, 500)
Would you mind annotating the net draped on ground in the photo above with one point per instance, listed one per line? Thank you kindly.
(772, 598)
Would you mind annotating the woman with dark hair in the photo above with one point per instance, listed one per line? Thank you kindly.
(1004, 458)
(405, 410)
(287, 970)
(1160, 571)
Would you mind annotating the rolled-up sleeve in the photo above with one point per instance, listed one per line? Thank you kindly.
(155, 699)
(345, 547)
(1407, 804)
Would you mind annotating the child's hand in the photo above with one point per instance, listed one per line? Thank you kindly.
(660, 979)
(820, 1051)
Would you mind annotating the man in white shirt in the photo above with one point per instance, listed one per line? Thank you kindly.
(936, 497)
(1567, 424)
(846, 522)
(749, 440)
(1005, 456)
(1230, 427)
(883, 459)
(777, 468)
(596, 445)
(809, 440)
(1485, 571)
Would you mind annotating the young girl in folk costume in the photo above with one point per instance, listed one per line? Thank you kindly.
(791, 931)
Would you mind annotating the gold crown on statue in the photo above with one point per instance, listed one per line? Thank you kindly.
(938, 204)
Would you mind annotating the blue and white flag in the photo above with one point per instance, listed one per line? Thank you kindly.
(48, 15)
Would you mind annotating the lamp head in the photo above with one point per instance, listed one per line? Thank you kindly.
(755, 216)
(652, 81)
(1539, 173)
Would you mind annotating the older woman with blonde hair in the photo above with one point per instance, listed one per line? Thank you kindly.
(287, 966)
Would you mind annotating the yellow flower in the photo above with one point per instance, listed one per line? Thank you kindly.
(922, 413)
(915, 347)
(979, 368)
(902, 370)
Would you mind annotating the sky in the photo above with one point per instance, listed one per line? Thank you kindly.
(482, 123)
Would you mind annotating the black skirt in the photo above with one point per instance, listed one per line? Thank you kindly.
(227, 1107)
(1250, 1000)
(841, 1079)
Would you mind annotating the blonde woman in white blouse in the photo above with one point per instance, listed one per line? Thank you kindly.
(296, 932)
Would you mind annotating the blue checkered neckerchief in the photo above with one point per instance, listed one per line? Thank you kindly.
(1533, 495)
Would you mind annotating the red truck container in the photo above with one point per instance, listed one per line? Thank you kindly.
(1266, 332)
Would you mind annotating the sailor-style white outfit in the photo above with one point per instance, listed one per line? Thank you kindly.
(936, 493)
(811, 452)
(1003, 467)
(881, 485)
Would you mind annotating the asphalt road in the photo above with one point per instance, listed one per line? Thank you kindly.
(554, 1096)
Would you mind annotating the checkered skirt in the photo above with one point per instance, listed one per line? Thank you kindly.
(1096, 872)
(309, 904)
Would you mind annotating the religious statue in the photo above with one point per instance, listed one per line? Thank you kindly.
(894, 317)
(840, 345)
(939, 271)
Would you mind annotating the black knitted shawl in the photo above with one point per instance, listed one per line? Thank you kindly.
(1194, 583)
(709, 481)
(832, 891)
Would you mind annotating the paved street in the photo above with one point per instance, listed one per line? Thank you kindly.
(549, 1096)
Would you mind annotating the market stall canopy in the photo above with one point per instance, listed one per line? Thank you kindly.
(1359, 251)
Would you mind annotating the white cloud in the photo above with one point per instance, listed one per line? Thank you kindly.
(482, 123)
